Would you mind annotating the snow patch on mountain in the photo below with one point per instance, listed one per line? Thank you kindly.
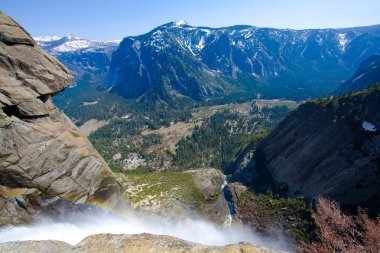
(207, 31)
(73, 46)
(358, 77)
(319, 40)
(114, 41)
(343, 40)
(71, 43)
(201, 43)
(180, 23)
(71, 36)
(47, 38)
(368, 126)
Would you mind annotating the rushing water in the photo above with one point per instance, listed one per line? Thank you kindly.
(73, 226)
(230, 216)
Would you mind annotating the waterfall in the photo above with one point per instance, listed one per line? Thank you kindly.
(230, 216)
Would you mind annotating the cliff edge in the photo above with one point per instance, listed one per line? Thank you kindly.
(330, 147)
(42, 154)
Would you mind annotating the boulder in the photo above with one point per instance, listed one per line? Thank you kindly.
(12, 213)
(210, 182)
(233, 191)
(33, 108)
(12, 33)
(41, 150)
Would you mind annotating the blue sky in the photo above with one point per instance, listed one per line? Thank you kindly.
(115, 19)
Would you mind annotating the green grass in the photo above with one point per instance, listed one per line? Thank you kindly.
(164, 187)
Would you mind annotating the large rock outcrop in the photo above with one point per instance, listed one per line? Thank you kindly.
(127, 243)
(179, 194)
(330, 147)
(270, 215)
(210, 182)
(42, 154)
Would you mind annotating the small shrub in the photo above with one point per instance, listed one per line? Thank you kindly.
(338, 232)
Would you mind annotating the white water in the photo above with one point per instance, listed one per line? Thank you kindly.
(73, 227)
(228, 221)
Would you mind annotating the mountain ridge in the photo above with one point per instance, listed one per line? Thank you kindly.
(87, 59)
(250, 64)
(367, 74)
(252, 60)
(56, 44)
(344, 168)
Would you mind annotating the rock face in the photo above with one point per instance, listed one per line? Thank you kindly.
(210, 183)
(234, 191)
(330, 147)
(270, 215)
(12, 213)
(127, 243)
(178, 194)
(41, 150)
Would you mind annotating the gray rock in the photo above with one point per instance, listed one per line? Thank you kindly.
(127, 243)
(32, 108)
(26, 72)
(322, 149)
(4, 119)
(35, 246)
(41, 150)
(209, 182)
(12, 33)
(12, 213)
(233, 192)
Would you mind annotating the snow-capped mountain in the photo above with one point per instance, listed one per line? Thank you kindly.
(177, 59)
(202, 62)
(71, 43)
(43, 39)
(83, 57)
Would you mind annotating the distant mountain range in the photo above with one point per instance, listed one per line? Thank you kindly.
(372, 29)
(177, 60)
(202, 62)
(70, 43)
(86, 59)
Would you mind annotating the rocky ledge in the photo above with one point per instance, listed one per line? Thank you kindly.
(127, 243)
(42, 154)
(330, 147)
(270, 215)
(180, 194)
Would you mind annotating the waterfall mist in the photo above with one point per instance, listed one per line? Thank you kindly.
(72, 227)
